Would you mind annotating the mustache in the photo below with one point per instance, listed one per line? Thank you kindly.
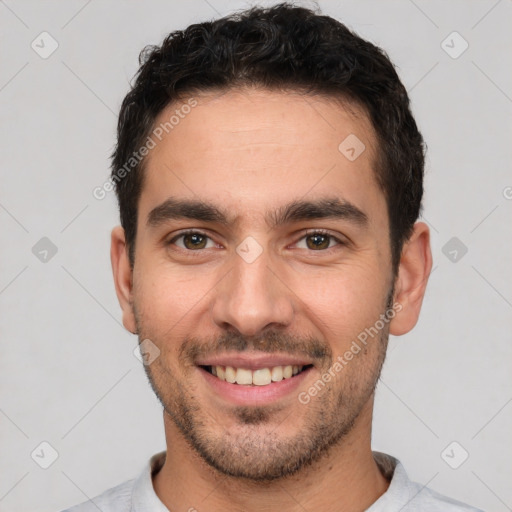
(271, 342)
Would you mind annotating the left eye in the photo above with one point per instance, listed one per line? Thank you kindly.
(319, 240)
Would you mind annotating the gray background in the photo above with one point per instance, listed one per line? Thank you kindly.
(68, 375)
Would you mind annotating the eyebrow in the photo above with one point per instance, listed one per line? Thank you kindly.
(295, 211)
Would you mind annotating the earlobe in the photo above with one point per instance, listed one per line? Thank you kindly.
(413, 273)
(123, 277)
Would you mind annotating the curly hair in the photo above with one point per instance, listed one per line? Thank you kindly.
(287, 48)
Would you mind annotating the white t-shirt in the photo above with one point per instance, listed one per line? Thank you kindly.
(402, 495)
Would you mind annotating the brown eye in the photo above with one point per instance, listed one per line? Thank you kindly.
(318, 241)
(192, 241)
(196, 241)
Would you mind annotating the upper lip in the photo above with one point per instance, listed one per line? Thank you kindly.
(253, 361)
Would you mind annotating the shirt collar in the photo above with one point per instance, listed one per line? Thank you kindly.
(144, 497)
(398, 494)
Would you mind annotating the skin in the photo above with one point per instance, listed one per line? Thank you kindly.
(250, 151)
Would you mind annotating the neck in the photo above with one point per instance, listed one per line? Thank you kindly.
(347, 478)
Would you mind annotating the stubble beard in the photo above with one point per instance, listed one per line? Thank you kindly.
(254, 451)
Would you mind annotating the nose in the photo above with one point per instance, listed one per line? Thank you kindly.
(253, 297)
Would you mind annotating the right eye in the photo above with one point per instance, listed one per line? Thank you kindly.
(192, 240)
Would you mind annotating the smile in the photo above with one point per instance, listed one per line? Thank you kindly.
(258, 377)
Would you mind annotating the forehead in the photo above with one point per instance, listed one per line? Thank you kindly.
(248, 148)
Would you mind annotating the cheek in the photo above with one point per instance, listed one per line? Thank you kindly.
(166, 295)
(164, 304)
(343, 303)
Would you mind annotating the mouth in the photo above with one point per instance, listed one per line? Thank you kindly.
(252, 378)
(257, 377)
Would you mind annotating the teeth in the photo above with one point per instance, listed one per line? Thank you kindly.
(243, 376)
(277, 373)
(260, 377)
(230, 374)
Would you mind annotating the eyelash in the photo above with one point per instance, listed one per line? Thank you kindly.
(322, 232)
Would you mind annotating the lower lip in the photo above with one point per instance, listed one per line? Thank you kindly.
(240, 394)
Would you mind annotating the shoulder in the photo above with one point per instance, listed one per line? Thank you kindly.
(407, 496)
(116, 499)
(428, 499)
(136, 494)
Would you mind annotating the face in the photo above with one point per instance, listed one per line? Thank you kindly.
(279, 270)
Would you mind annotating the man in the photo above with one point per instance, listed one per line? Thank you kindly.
(269, 176)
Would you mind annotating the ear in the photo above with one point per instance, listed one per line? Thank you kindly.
(122, 277)
(411, 282)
